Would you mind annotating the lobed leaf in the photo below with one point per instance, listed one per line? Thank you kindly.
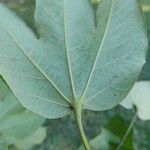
(73, 59)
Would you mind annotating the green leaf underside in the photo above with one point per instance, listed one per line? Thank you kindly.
(15, 121)
(73, 59)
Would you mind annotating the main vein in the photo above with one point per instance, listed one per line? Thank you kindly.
(67, 52)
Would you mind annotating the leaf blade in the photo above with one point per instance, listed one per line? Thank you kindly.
(72, 62)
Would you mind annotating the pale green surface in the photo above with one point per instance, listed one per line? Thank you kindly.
(70, 60)
(121, 54)
(3, 144)
(33, 139)
(95, 1)
(15, 122)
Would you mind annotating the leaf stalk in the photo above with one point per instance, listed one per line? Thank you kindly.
(78, 116)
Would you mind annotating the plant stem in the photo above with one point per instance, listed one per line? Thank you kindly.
(78, 111)
(127, 132)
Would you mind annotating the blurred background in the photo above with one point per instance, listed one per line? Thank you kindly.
(62, 133)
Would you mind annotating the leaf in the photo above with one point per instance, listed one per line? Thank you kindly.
(27, 143)
(15, 121)
(3, 143)
(72, 62)
(139, 96)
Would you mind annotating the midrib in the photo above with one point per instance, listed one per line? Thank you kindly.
(67, 53)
